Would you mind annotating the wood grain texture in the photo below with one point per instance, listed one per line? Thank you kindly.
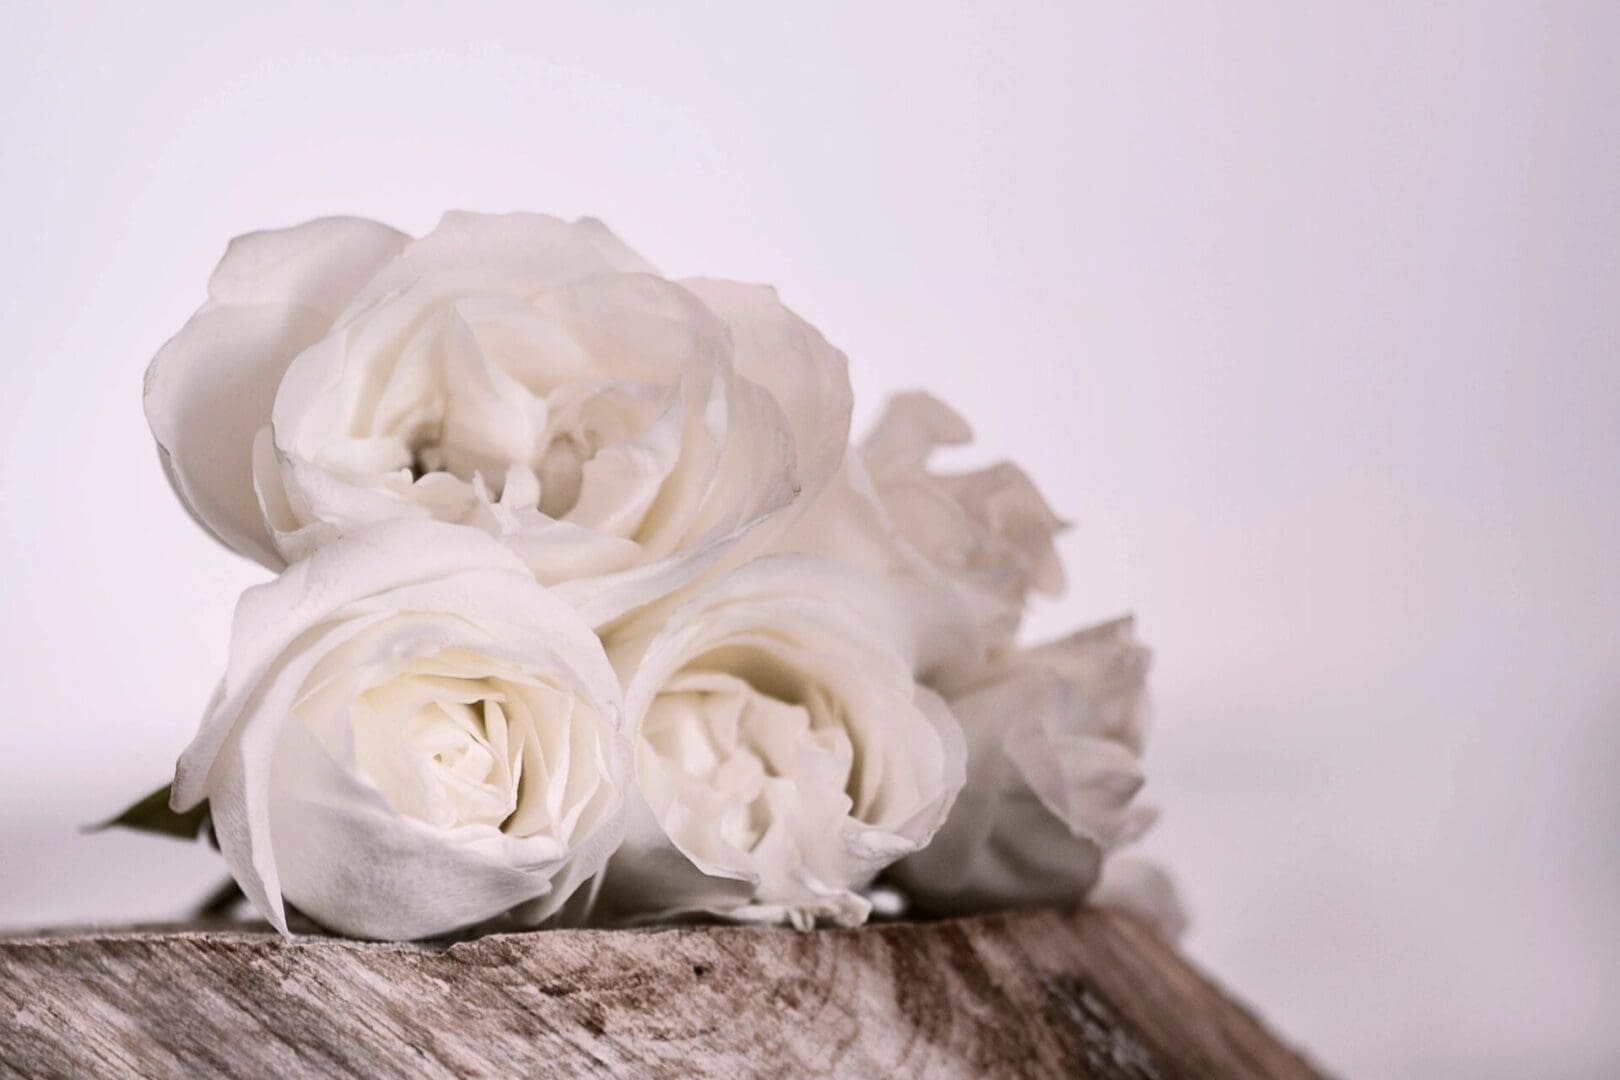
(1035, 993)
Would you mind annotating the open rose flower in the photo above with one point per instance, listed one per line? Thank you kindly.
(517, 373)
(965, 549)
(1054, 736)
(784, 754)
(412, 736)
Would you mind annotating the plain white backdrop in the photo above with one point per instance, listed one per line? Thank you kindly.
(1308, 316)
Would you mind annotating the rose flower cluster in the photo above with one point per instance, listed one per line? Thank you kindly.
(588, 611)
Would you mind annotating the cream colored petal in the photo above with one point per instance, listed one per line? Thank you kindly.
(619, 484)
(310, 826)
(806, 376)
(493, 254)
(211, 388)
(357, 867)
(270, 617)
(755, 476)
(614, 250)
(320, 264)
(208, 393)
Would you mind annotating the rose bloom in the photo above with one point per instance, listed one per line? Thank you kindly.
(784, 754)
(1054, 740)
(966, 549)
(528, 376)
(412, 736)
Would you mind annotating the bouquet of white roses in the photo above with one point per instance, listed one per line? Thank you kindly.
(587, 610)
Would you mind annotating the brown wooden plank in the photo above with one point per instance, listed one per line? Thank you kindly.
(1035, 993)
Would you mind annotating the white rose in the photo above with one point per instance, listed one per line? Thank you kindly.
(411, 736)
(529, 376)
(967, 549)
(1054, 736)
(784, 753)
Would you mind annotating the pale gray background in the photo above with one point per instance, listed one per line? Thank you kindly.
(1308, 315)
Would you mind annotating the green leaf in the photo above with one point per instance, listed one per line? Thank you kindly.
(152, 814)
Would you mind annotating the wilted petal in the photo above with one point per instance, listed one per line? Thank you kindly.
(1054, 768)
(1106, 659)
(939, 630)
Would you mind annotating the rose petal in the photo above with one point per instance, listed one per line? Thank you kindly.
(319, 265)
(809, 378)
(867, 782)
(211, 387)
(1054, 768)
(269, 617)
(496, 254)
(208, 391)
(358, 867)
(614, 250)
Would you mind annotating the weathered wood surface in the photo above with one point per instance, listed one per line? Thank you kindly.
(1039, 993)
